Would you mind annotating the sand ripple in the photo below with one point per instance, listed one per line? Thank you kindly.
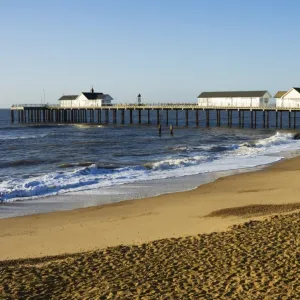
(257, 260)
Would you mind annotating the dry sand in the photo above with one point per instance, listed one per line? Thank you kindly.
(139, 221)
(257, 260)
(165, 257)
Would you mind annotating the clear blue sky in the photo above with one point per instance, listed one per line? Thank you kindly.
(167, 50)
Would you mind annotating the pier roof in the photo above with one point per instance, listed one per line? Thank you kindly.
(279, 94)
(68, 97)
(94, 96)
(232, 94)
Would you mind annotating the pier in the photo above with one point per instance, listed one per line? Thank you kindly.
(168, 114)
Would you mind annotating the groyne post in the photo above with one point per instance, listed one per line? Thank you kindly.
(114, 116)
(268, 119)
(157, 116)
(197, 117)
(140, 116)
(294, 119)
(228, 118)
(106, 116)
(171, 129)
(12, 116)
(130, 116)
(148, 113)
(159, 129)
(123, 116)
(186, 117)
(289, 119)
(176, 117)
(243, 118)
(264, 119)
(276, 119)
(207, 118)
(167, 117)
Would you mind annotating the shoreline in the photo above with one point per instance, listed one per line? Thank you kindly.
(133, 222)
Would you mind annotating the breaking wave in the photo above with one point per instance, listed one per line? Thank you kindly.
(84, 176)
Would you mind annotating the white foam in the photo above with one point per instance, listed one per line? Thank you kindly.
(16, 137)
(236, 157)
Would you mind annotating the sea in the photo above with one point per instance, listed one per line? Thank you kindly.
(52, 167)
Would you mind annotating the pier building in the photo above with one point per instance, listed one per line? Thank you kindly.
(288, 99)
(90, 99)
(236, 99)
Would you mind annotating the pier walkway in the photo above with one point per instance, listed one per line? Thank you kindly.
(143, 114)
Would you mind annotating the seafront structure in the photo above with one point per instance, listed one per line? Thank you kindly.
(288, 99)
(239, 108)
(236, 99)
(85, 99)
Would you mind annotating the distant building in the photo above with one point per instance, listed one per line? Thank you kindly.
(289, 99)
(236, 99)
(85, 100)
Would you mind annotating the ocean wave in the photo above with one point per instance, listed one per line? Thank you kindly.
(176, 162)
(93, 176)
(17, 137)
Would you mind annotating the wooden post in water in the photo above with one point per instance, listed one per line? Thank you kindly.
(252, 119)
(171, 129)
(197, 117)
(280, 119)
(65, 115)
(276, 119)
(114, 116)
(176, 117)
(159, 129)
(12, 116)
(243, 118)
(294, 119)
(268, 119)
(148, 113)
(130, 117)
(167, 117)
(186, 117)
(289, 119)
(207, 117)
(123, 116)
(255, 118)
(22, 116)
(264, 119)
(228, 117)
(140, 116)
(240, 119)
(157, 117)
(106, 116)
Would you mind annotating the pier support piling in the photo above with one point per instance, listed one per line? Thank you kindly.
(186, 117)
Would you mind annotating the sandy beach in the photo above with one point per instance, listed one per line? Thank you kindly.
(173, 246)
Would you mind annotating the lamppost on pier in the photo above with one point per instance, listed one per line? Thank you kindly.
(139, 99)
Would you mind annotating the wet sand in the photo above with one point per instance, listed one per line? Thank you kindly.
(139, 221)
(174, 246)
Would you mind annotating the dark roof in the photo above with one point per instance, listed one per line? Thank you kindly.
(232, 94)
(279, 94)
(297, 89)
(94, 96)
(68, 97)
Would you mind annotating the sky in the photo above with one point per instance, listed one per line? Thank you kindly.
(167, 50)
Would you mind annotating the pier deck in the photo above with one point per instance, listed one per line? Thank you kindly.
(210, 116)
